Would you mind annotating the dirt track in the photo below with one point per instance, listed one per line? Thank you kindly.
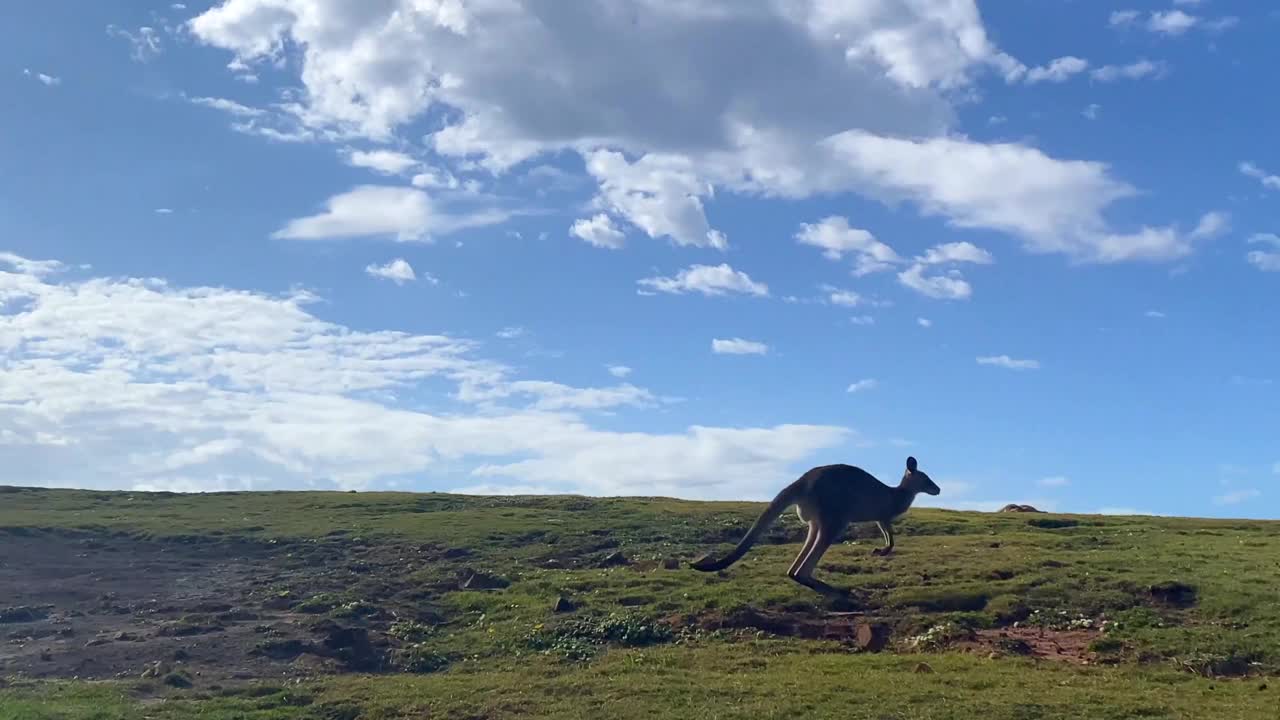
(101, 607)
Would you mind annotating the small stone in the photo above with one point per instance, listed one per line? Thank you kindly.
(870, 638)
(155, 670)
(563, 605)
(553, 564)
(923, 668)
(615, 558)
(484, 581)
(123, 636)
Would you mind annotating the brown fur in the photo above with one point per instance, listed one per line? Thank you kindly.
(828, 498)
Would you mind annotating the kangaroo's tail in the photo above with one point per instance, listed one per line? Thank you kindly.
(784, 499)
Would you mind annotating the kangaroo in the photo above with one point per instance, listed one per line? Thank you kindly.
(828, 498)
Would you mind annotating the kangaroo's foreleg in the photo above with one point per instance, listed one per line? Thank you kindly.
(886, 529)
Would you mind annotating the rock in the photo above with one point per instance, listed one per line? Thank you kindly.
(177, 680)
(553, 564)
(123, 636)
(923, 668)
(351, 645)
(96, 642)
(870, 638)
(477, 580)
(22, 614)
(1174, 593)
(181, 655)
(155, 670)
(1014, 507)
(615, 559)
(671, 563)
(563, 605)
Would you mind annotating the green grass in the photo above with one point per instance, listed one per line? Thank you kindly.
(503, 653)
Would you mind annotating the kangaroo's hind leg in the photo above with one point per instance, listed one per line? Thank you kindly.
(809, 540)
(825, 536)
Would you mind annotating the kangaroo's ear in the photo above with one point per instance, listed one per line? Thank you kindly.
(911, 464)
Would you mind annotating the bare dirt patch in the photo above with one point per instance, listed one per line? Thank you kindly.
(1069, 646)
(97, 606)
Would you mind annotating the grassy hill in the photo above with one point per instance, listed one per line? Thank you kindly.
(394, 605)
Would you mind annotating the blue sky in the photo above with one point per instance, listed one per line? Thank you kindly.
(644, 248)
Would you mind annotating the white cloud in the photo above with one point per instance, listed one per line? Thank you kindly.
(864, 384)
(553, 396)
(836, 239)
(660, 194)
(706, 279)
(1091, 111)
(398, 271)
(1054, 481)
(1220, 24)
(1057, 71)
(383, 210)
(1236, 497)
(163, 211)
(432, 178)
(132, 383)
(1265, 260)
(1054, 206)
(46, 80)
(144, 43)
(599, 231)
(924, 322)
(386, 162)
(1211, 225)
(619, 371)
(1123, 18)
(1269, 181)
(659, 149)
(939, 287)
(1154, 314)
(1171, 22)
(231, 107)
(955, 252)
(862, 320)
(738, 346)
(511, 333)
(1005, 361)
(843, 298)
(33, 268)
(1133, 71)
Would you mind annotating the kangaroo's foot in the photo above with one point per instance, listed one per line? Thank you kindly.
(818, 586)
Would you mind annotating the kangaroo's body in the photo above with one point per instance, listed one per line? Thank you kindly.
(828, 498)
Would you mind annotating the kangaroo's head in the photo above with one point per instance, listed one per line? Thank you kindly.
(917, 481)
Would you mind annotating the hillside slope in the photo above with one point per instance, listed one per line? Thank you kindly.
(384, 605)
